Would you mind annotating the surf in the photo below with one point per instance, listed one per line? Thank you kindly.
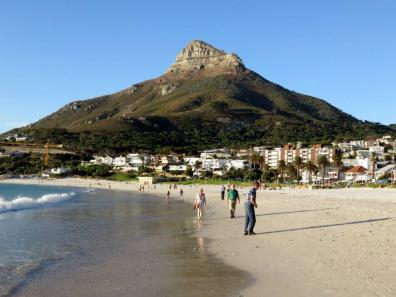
(24, 203)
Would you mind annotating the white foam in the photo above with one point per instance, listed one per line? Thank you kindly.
(21, 203)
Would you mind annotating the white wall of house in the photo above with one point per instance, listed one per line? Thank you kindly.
(181, 167)
(58, 171)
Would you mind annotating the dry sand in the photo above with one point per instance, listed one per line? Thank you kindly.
(309, 242)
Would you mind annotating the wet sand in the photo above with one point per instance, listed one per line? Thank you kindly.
(163, 254)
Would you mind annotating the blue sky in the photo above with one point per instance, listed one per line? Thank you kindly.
(54, 52)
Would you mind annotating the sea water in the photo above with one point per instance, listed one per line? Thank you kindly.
(30, 237)
(55, 239)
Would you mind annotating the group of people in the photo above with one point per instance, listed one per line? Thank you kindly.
(232, 200)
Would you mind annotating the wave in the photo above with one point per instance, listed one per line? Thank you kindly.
(22, 203)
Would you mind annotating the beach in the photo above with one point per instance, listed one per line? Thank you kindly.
(338, 242)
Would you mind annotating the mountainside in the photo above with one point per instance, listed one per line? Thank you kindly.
(207, 98)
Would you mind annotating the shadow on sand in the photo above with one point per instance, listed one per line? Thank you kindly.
(326, 226)
(285, 212)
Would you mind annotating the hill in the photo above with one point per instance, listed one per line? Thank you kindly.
(207, 98)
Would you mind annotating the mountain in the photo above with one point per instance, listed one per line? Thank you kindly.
(207, 98)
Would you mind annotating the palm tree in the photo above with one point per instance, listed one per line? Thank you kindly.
(337, 161)
(254, 159)
(265, 167)
(310, 167)
(261, 162)
(374, 160)
(323, 162)
(298, 163)
(282, 168)
(291, 171)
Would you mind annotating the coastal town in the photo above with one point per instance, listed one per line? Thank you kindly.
(358, 161)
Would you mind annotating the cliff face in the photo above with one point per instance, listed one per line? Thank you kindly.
(199, 55)
(206, 98)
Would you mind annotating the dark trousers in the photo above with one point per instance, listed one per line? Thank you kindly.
(250, 217)
(222, 195)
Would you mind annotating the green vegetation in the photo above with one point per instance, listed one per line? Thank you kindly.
(34, 164)
(186, 120)
(123, 176)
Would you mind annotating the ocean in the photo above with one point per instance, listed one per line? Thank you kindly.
(64, 241)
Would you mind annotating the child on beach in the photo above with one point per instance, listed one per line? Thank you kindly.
(200, 204)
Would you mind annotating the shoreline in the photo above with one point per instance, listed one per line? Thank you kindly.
(336, 242)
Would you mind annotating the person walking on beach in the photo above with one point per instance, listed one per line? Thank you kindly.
(250, 215)
(232, 198)
(200, 204)
(222, 192)
(181, 192)
(167, 195)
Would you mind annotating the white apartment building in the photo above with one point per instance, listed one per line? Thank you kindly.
(237, 164)
(214, 164)
(378, 150)
(120, 161)
(98, 160)
(272, 157)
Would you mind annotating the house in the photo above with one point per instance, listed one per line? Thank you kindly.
(137, 160)
(99, 160)
(192, 160)
(354, 172)
(215, 153)
(364, 162)
(237, 164)
(393, 176)
(214, 164)
(120, 161)
(378, 150)
(177, 167)
(59, 171)
(384, 170)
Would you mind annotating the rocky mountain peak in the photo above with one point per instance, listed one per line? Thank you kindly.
(199, 55)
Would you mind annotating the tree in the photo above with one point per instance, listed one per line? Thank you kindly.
(261, 162)
(291, 171)
(269, 175)
(298, 163)
(282, 168)
(337, 161)
(310, 167)
(255, 159)
(374, 160)
(323, 162)
(253, 175)
(189, 171)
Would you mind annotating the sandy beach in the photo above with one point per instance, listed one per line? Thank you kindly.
(308, 243)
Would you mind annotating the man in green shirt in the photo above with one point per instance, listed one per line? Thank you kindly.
(232, 198)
